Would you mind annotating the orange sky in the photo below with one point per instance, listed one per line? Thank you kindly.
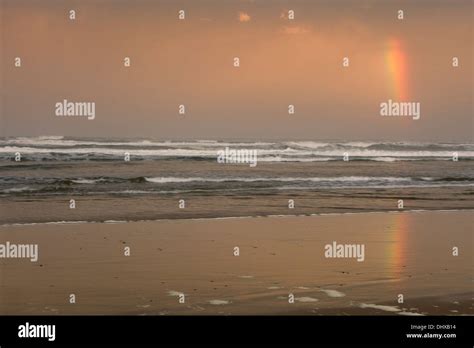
(282, 62)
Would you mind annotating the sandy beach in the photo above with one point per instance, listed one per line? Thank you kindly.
(408, 253)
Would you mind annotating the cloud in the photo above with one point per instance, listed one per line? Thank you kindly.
(294, 30)
(244, 17)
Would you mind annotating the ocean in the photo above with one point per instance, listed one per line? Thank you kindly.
(313, 175)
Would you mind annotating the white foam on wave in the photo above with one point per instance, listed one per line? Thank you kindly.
(164, 180)
(333, 293)
(306, 299)
(299, 151)
(380, 307)
(174, 293)
(68, 143)
(17, 189)
(247, 217)
(219, 302)
(307, 144)
(294, 159)
(84, 181)
(410, 313)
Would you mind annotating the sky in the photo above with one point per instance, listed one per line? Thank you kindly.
(282, 62)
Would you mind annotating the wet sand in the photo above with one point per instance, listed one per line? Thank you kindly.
(408, 253)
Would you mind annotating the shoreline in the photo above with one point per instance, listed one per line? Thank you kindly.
(236, 217)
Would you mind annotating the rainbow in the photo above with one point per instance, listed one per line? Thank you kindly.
(397, 250)
(397, 68)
